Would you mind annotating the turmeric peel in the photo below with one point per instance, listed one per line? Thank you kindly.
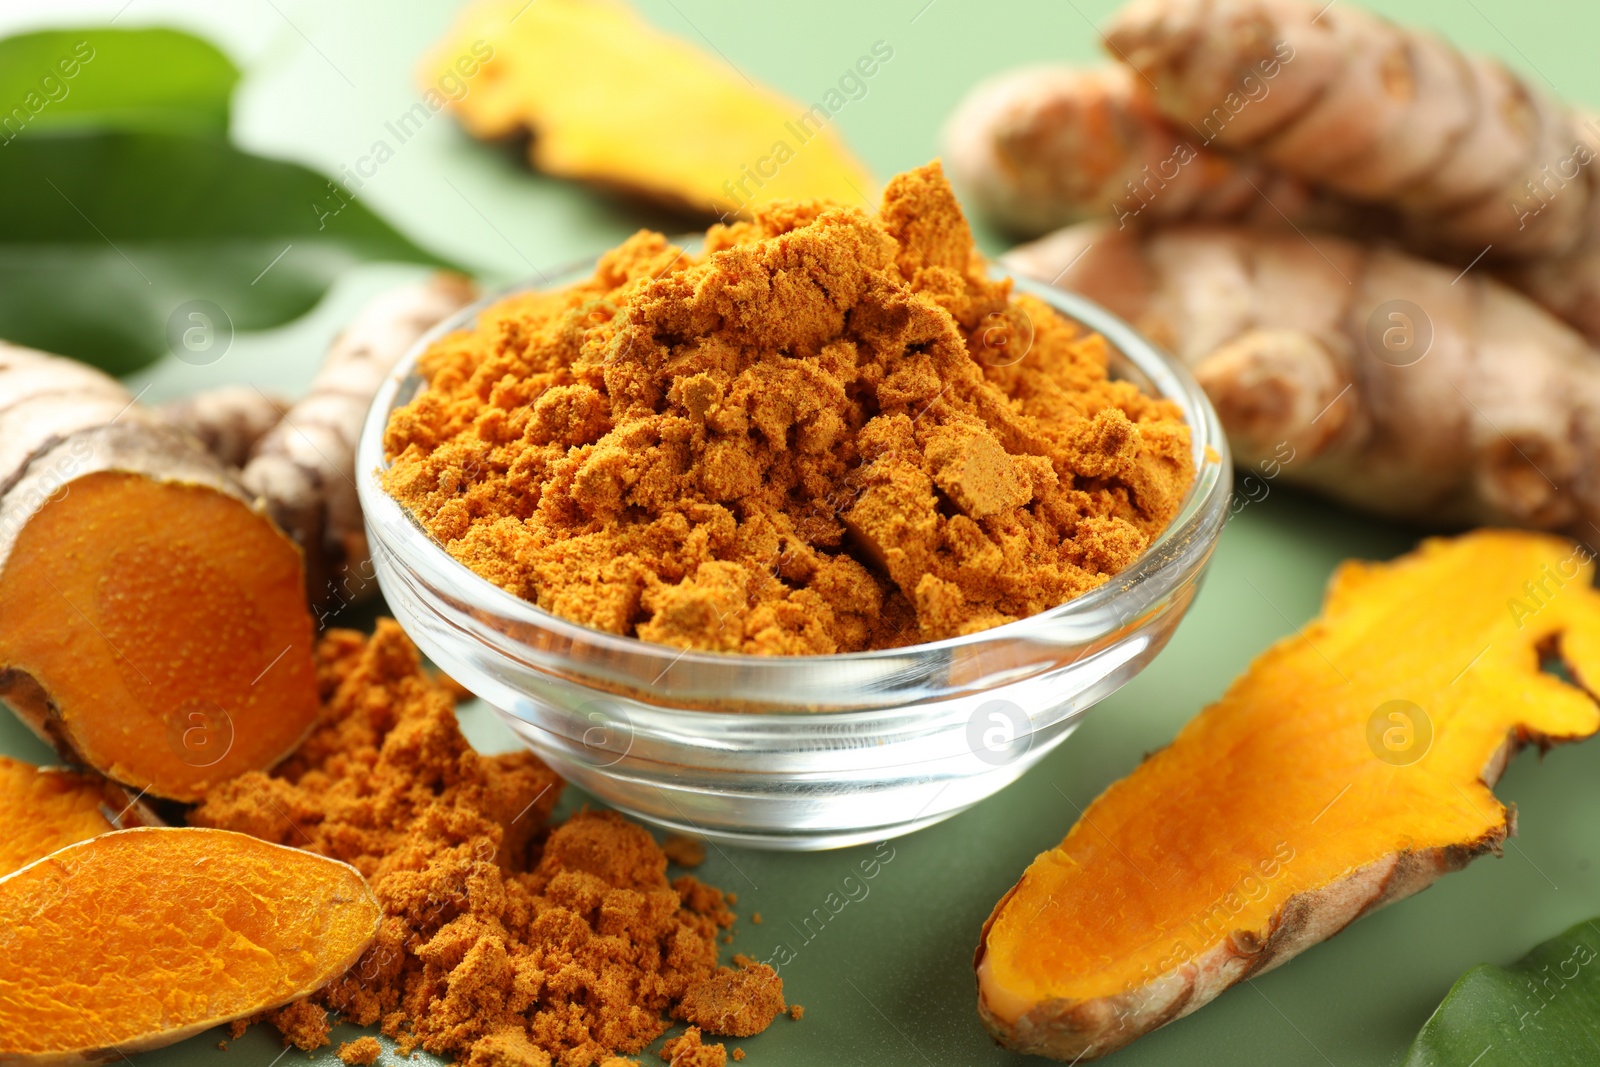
(227, 419)
(211, 926)
(802, 441)
(1359, 758)
(1463, 150)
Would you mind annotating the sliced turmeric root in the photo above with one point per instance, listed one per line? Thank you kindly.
(139, 938)
(153, 622)
(610, 100)
(1350, 766)
(46, 808)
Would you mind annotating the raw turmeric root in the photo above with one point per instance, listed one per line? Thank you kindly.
(304, 466)
(1339, 119)
(1386, 382)
(205, 926)
(228, 420)
(1350, 766)
(611, 101)
(46, 808)
(153, 623)
(1044, 147)
(1471, 152)
(1475, 158)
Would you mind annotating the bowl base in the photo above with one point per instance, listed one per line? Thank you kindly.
(794, 841)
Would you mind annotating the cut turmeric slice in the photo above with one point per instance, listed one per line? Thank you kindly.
(612, 101)
(1350, 766)
(139, 938)
(46, 808)
(153, 622)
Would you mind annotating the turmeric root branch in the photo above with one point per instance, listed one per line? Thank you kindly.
(1389, 383)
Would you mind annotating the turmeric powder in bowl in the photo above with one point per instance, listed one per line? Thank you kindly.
(829, 431)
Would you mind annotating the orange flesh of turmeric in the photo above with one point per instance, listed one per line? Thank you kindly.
(1276, 790)
(46, 809)
(139, 938)
(611, 100)
(167, 624)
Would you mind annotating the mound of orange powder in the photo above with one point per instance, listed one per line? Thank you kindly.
(504, 943)
(830, 431)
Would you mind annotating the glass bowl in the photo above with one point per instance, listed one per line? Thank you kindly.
(803, 752)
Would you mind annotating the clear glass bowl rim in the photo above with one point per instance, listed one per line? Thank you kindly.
(1158, 568)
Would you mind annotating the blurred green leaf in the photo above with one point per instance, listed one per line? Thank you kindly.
(1543, 1009)
(108, 233)
(152, 79)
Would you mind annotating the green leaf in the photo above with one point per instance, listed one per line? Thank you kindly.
(107, 234)
(151, 79)
(1543, 1009)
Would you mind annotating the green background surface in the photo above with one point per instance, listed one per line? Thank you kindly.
(888, 980)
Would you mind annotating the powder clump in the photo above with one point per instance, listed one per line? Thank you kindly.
(362, 1052)
(830, 431)
(736, 1003)
(687, 1050)
(303, 1024)
(684, 851)
(503, 943)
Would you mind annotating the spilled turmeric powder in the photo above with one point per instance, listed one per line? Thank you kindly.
(503, 943)
(829, 431)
